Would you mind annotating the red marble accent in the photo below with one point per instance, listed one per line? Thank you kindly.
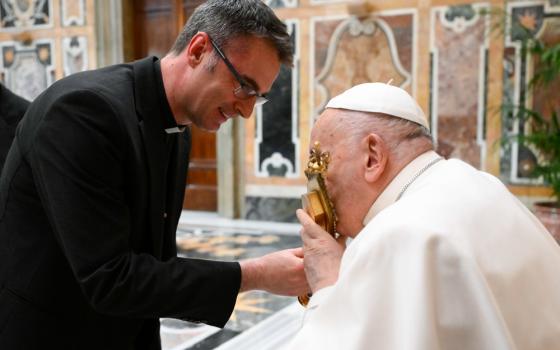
(402, 30)
(457, 96)
(545, 100)
(323, 32)
(549, 214)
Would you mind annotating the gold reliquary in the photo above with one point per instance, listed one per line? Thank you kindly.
(316, 201)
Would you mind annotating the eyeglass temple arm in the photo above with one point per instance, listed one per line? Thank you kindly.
(228, 63)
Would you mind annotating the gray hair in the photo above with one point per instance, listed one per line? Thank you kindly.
(394, 131)
(224, 20)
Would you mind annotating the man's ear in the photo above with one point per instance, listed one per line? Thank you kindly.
(376, 157)
(199, 44)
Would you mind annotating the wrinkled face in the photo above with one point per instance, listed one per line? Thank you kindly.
(214, 101)
(344, 178)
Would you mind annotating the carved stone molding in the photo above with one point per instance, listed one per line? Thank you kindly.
(359, 50)
(27, 70)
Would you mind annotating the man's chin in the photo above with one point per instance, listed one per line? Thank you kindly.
(215, 126)
(209, 128)
(212, 130)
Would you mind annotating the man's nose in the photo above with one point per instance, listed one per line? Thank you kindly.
(246, 107)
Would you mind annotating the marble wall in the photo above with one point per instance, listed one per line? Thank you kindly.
(350, 51)
(447, 54)
(538, 19)
(44, 40)
(459, 62)
(276, 142)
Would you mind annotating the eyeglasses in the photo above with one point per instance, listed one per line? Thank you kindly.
(245, 90)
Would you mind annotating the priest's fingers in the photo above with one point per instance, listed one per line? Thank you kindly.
(280, 272)
(283, 272)
(298, 252)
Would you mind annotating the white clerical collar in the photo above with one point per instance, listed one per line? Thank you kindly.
(400, 182)
(175, 129)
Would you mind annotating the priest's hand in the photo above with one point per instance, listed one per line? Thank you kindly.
(322, 253)
(279, 273)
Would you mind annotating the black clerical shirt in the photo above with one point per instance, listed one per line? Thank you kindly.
(171, 130)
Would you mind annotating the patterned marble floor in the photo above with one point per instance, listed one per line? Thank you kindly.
(259, 319)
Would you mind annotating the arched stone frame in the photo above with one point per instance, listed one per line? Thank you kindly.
(26, 15)
(28, 69)
(363, 26)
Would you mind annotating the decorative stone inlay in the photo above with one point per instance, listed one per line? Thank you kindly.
(527, 20)
(458, 18)
(459, 59)
(75, 54)
(281, 3)
(253, 308)
(25, 14)
(28, 70)
(276, 143)
(276, 165)
(358, 51)
(73, 13)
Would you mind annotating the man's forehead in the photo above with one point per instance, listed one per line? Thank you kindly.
(323, 136)
(327, 124)
(256, 60)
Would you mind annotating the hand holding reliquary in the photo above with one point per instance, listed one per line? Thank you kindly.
(316, 201)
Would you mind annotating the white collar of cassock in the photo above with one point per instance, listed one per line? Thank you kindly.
(395, 187)
(175, 130)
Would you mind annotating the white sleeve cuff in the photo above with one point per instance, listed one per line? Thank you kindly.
(319, 296)
(316, 299)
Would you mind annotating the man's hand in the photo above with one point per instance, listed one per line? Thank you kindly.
(279, 273)
(322, 253)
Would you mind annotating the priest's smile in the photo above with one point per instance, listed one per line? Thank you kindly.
(224, 115)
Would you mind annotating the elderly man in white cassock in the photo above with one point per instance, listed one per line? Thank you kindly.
(442, 255)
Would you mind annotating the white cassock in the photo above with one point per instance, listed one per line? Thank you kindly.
(456, 263)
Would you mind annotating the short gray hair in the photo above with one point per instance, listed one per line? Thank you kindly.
(224, 20)
(392, 130)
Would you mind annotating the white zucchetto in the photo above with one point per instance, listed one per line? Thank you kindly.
(380, 98)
